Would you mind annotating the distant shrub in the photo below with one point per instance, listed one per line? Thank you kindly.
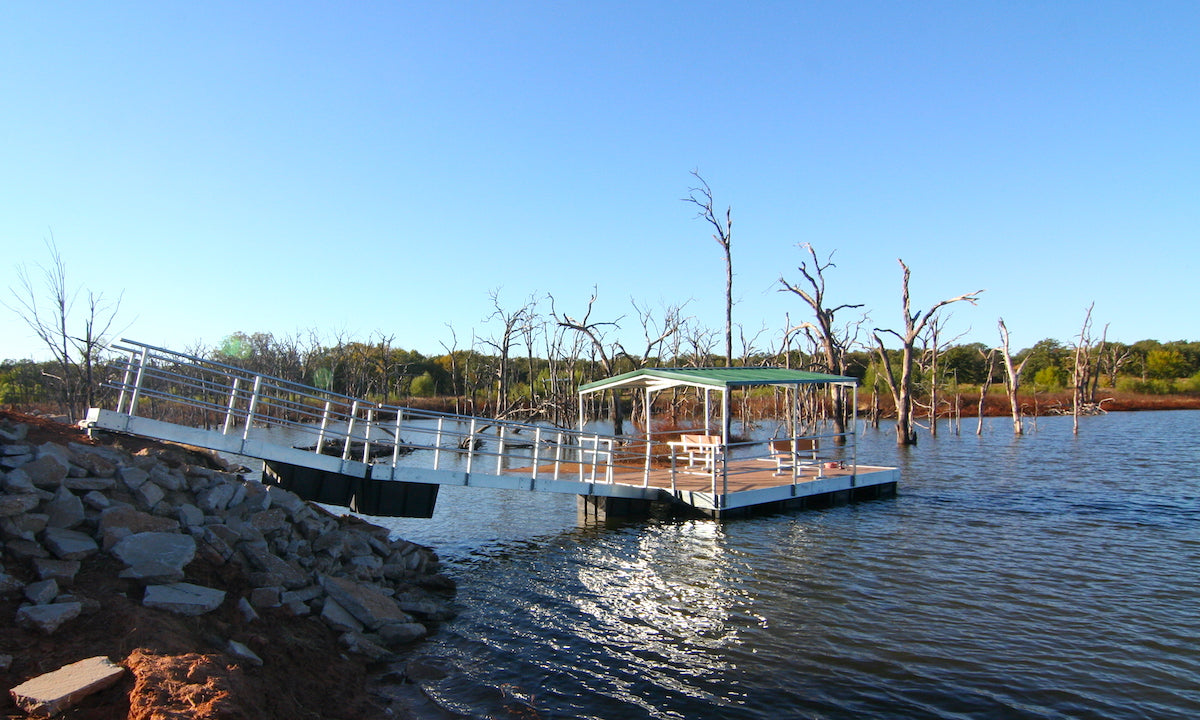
(1191, 384)
(1051, 377)
(1145, 387)
(1165, 364)
(423, 385)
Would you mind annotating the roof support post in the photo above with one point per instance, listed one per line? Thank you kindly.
(649, 439)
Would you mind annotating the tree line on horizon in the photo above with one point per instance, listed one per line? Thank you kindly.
(520, 379)
(528, 359)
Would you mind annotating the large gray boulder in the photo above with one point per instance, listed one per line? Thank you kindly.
(183, 598)
(50, 694)
(155, 556)
(370, 607)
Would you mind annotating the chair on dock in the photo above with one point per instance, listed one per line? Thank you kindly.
(702, 450)
(795, 453)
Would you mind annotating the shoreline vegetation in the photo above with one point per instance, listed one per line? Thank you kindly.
(509, 378)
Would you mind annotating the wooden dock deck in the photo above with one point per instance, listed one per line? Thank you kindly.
(748, 485)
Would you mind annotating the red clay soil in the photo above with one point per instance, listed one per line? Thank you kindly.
(177, 668)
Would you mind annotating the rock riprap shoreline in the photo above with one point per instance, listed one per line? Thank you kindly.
(159, 560)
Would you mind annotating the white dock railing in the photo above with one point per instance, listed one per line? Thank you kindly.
(190, 390)
(187, 390)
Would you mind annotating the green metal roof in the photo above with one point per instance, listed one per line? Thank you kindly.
(721, 378)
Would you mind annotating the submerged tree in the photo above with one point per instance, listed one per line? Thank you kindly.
(914, 325)
(702, 198)
(834, 341)
(1012, 379)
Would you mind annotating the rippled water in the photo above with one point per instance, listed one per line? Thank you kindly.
(1046, 576)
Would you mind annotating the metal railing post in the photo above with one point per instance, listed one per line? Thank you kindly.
(366, 456)
(500, 447)
(537, 447)
(350, 431)
(396, 438)
(229, 408)
(558, 448)
(649, 447)
(324, 428)
(470, 446)
(125, 378)
(253, 407)
(437, 445)
(137, 386)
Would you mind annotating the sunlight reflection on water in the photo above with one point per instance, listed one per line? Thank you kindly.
(1046, 576)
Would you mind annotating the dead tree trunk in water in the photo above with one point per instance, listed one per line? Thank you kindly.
(1012, 379)
(594, 333)
(833, 344)
(989, 358)
(702, 198)
(914, 325)
(1082, 372)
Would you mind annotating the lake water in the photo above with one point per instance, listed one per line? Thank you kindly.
(1046, 576)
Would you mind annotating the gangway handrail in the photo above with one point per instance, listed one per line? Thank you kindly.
(275, 402)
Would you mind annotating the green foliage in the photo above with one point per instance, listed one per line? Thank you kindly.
(965, 362)
(1052, 377)
(1165, 364)
(1145, 387)
(1191, 385)
(423, 385)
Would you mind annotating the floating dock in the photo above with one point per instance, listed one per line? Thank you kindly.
(393, 459)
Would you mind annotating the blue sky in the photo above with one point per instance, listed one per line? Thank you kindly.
(380, 168)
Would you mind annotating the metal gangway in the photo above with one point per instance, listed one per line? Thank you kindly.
(382, 459)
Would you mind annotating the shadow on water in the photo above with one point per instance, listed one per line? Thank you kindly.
(1046, 576)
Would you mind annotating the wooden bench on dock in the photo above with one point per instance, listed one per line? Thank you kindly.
(701, 450)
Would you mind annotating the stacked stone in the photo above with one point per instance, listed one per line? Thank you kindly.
(156, 512)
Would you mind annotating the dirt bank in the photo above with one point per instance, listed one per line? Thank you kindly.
(178, 666)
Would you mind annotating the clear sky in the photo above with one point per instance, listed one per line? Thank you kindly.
(380, 167)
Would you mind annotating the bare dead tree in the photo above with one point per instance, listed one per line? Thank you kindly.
(1012, 379)
(702, 198)
(914, 325)
(607, 353)
(51, 318)
(657, 333)
(989, 359)
(933, 347)
(834, 342)
(1112, 359)
(502, 342)
(452, 354)
(1083, 370)
(699, 340)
